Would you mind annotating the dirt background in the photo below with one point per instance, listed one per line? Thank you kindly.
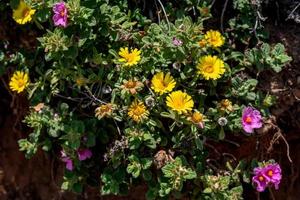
(40, 177)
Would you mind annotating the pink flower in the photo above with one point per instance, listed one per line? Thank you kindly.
(251, 119)
(60, 16)
(176, 42)
(84, 154)
(67, 160)
(273, 172)
(268, 175)
(259, 179)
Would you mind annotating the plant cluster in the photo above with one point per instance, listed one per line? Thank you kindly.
(129, 100)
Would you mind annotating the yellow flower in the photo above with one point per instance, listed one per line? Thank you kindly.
(19, 81)
(202, 43)
(197, 119)
(225, 104)
(23, 13)
(163, 83)
(129, 58)
(211, 67)
(132, 86)
(180, 101)
(214, 38)
(81, 81)
(137, 111)
(104, 110)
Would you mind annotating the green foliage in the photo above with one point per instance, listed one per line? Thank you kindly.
(176, 174)
(266, 57)
(88, 93)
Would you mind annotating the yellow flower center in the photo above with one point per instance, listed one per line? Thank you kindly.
(209, 69)
(21, 83)
(270, 173)
(130, 57)
(26, 12)
(248, 120)
(261, 178)
(62, 13)
(138, 110)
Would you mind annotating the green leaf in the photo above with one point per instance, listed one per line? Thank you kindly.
(146, 163)
(207, 190)
(147, 175)
(221, 134)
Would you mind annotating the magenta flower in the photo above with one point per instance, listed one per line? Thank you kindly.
(60, 17)
(176, 42)
(67, 160)
(251, 119)
(273, 172)
(268, 175)
(259, 179)
(84, 154)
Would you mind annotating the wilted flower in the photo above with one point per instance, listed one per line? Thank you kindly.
(84, 154)
(176, 65)
(60, 17)
(138, 111)
(222, 121)
(176, 41)
(104, 110)
(39, 107)
(106, 89)
(267, 175)
(150, 102)
(80, 81)
(202, 43)
(132, 86)
(225, 105)
(197, 119)
(251, 119)
(66, 159)
(23, 14)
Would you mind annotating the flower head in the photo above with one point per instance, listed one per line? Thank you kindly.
(66, 159)
(273, 172)
(264, 176)
(60, 17)
(23, 14)
(214, 38)
(162, 83)
(251, 119)
(211, 67)
(259, 179)
(197, 119)
(104, 110)
(129, 58)
(84, 154)
(202, 43)
(222, 121)
(138, 111)
(132, 86)
(176, 41)
(180, 102)
(81, 81)
(225, 105)
(19, 81)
